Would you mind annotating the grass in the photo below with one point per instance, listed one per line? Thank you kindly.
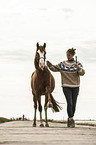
(81, 123)
(2, 120)
(86, 124)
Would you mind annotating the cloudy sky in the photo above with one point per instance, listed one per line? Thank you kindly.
(61, 25)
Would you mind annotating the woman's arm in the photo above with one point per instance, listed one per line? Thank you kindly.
(80, 69)
(54, 68)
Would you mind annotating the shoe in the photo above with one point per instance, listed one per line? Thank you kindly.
(71, 123)
(68, 125)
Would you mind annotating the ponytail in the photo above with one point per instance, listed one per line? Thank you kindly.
(72, 51)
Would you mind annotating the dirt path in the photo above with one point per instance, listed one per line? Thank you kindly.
(22, 133)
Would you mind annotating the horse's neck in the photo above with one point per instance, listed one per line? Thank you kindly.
(42, 72)
(36, 62)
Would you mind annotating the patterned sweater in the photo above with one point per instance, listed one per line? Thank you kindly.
(70, 75)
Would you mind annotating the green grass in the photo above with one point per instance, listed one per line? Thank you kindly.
(2, 120)
(81, 123)
(86, 124)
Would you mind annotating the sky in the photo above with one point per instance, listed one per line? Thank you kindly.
(61, 25)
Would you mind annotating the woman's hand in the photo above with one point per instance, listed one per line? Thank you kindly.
(48, 62)
(77, 66)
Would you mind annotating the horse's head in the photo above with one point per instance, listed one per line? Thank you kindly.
(41, 52)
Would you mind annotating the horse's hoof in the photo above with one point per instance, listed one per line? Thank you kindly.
(34, 124)
(47, 125)
(41, 125)
(49, 105)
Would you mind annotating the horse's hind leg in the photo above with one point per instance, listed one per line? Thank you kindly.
(49, 103)
(40, 110)
(45, 107)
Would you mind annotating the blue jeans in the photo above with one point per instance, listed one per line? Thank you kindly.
(71, 98)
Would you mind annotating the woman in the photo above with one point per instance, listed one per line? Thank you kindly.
(70, 70)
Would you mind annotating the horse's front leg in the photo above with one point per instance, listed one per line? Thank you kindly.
(34, 123)
(40, 110)
(35, 109)
(45, 107)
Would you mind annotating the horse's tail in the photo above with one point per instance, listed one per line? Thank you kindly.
(56, 107)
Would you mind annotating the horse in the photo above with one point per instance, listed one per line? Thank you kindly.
(42, 83)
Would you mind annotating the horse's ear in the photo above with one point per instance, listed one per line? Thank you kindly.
(37, 45)
(44, 45)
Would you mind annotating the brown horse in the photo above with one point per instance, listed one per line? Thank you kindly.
(42, 83)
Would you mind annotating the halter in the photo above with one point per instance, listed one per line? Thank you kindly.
(43, 57)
